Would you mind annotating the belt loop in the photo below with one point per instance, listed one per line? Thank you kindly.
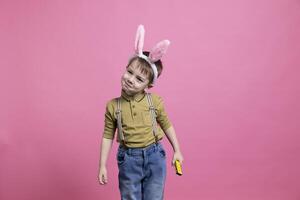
(156, 146)
(129, 151)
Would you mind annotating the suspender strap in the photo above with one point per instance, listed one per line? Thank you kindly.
(119, 122)
(153, 116)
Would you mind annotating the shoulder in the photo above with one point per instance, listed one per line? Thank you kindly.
(155, 95)
(157, 99)
(111, 104)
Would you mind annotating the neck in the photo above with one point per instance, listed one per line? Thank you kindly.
(133, 94)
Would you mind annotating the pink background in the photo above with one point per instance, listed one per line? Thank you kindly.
(230, 85)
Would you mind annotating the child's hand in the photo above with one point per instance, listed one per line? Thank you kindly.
(177, 156)
(102, 177)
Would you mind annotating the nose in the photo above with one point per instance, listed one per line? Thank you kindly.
(130, 79)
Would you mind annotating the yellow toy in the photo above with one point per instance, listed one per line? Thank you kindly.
(178, 168)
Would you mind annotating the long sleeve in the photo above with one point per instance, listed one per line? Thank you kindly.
(162, 117)
(110, 123)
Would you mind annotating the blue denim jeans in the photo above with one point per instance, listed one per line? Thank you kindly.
(142, 172)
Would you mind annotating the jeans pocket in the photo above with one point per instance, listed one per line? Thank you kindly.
(162, 152)
(121, 157)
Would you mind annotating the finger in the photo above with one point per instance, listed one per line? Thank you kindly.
(101, 180)
(104, 179)
(173, 162)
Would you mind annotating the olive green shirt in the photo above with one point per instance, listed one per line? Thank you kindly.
(136, 119)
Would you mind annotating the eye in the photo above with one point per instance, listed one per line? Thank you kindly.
(129, 71)
(140, 80)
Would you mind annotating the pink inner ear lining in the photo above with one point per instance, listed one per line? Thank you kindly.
(159, 50)
(139, 39)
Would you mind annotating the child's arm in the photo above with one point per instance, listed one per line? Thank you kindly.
(105, 149)
(171, 135)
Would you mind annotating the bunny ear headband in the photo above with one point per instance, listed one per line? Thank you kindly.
(155, 54)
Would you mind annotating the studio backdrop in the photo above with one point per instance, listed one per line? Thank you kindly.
(230, 86)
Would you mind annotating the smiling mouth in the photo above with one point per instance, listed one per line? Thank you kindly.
(129, 86)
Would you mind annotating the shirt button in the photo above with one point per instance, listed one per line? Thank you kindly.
(134, 114)
(133, 106)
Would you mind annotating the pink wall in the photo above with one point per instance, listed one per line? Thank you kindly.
(230, 84)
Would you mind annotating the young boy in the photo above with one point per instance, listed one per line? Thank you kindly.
(141, 157)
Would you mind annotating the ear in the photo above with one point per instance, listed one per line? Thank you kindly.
(139, 40)
(150, 86)
(159, 50)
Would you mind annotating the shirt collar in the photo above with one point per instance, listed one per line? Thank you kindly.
(137, 97)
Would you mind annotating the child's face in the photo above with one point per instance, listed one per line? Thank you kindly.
(133, 81)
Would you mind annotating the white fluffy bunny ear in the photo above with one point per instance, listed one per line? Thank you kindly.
(159, 50)
(139, 40)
